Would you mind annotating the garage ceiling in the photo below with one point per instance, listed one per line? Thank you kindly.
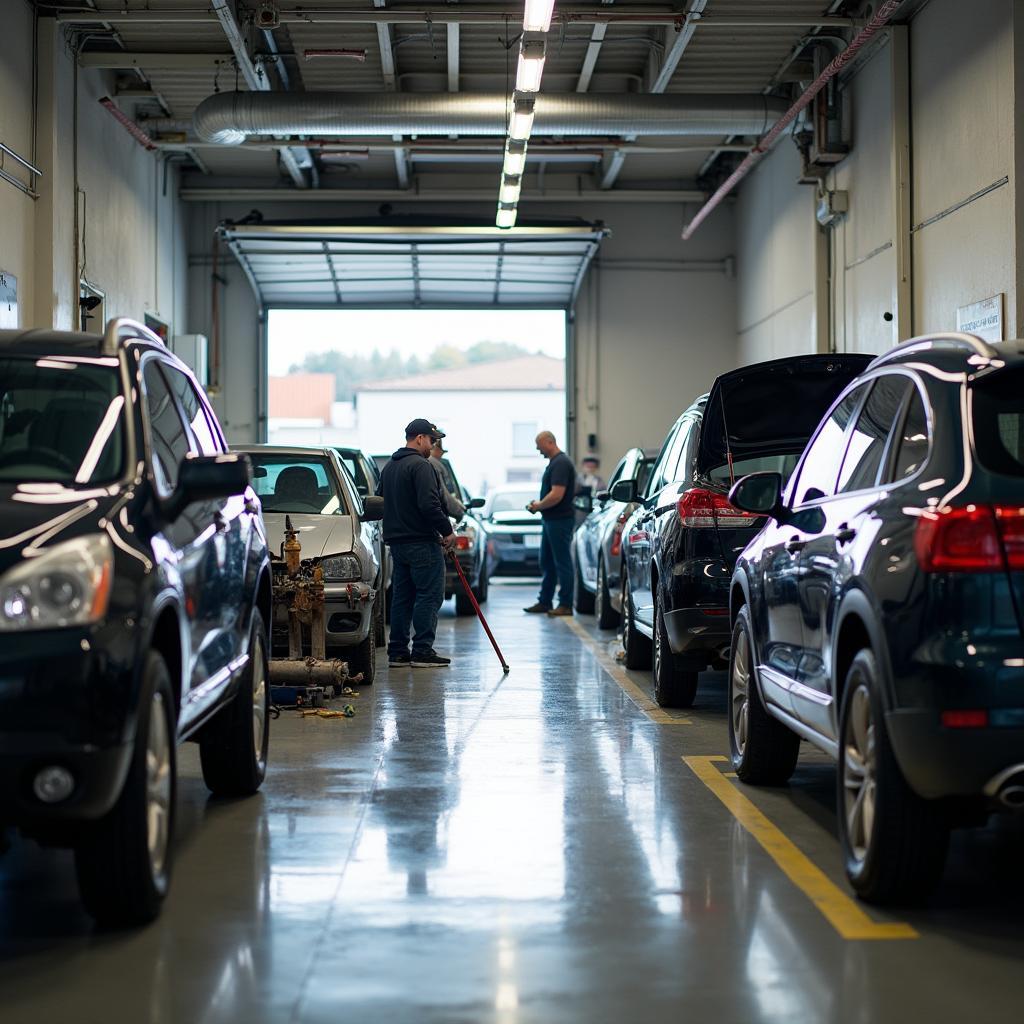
(422, 267)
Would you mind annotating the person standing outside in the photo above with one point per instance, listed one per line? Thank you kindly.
(419, 533)
(452, 505)
(557, 489)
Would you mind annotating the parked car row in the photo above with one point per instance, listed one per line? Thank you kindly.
(847, 536)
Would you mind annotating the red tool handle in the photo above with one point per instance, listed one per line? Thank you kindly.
(479, 613)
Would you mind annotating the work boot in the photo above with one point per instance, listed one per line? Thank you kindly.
(538, 609)
(430, 659)
(562, 609)
(399, 660)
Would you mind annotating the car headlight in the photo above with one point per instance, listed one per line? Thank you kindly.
(68, 585)
(341, 568)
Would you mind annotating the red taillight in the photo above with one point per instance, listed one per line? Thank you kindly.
(617, 535)
(975, 538)
(463, 543)
(965, 719)
(701, 509)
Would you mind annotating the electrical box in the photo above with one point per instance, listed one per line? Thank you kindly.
(193, 351)
(831, 206)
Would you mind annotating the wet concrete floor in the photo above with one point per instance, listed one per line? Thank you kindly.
(531, 848)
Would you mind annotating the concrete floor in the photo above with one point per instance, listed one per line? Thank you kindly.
(529, 849)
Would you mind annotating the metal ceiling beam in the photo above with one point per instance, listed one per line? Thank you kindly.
(358, 195)
(597, 35)
(453, 57)
(258, 81)
(119, 61)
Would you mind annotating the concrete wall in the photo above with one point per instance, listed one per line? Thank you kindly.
(130, 225)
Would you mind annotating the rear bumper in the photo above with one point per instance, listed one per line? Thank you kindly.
(698, 629)
(512, 557)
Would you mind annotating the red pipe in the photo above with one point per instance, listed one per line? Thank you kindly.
(128, 124)
(881, 17)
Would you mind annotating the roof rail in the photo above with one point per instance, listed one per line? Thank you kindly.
(949, 341)
(122, 329)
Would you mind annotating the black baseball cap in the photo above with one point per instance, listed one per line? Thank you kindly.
(422, 426)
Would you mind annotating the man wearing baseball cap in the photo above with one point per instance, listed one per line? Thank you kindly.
(419, 532)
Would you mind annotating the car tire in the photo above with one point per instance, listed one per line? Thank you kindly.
(894, 842)
(636, 646)
(480, 590)
(380, 633)
(233, 746)
(607, 616)
(463, 605)
(123, 860)
(764, 752)
(362, 658)
(582, 599)
(674, 686)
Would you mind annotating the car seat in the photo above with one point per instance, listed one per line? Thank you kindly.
(297, 483)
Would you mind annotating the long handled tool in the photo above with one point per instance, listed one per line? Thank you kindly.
(479, 613)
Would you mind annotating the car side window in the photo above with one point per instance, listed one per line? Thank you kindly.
(912, 443)
(206, 435)
(675, 468)
(867, 439)
(168, 433)
(657, 478)
(820, 466)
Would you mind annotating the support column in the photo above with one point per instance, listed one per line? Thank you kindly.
(899, 57)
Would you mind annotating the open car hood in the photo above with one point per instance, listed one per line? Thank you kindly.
(772, 408)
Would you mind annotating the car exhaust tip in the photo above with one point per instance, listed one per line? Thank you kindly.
(1012, 796)
(1007, 788)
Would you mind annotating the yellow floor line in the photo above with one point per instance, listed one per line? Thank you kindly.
(841, 910)
(643, 701)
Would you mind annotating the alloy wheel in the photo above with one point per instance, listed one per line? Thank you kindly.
(739, 691)
(158, 786)
(599, 596)
(259, 700)
(657, 644)
(859, 768)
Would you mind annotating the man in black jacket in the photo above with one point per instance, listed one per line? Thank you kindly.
(419, 533)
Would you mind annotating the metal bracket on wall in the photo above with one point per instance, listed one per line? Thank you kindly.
(34, 172)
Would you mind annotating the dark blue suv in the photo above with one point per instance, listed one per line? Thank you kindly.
(880, 614)
(134, 597)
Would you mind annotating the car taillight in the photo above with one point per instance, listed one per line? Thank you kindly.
(617, 535)
(463, 543)
(702, 509)
(975, 538)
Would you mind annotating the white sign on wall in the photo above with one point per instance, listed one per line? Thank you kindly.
(984, 318)
(8, 300)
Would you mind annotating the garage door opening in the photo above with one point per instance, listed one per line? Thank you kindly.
(490, 378)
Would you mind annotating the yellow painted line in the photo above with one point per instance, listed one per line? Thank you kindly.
(644, 702)
(839, 909)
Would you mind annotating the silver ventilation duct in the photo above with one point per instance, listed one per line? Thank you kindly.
(228, 118)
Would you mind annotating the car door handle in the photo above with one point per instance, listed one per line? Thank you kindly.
(795, 545)
(845, 534)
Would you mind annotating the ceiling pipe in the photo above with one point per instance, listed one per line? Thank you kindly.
(228, 118)
(881, 17)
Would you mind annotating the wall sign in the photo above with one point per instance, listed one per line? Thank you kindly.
(984, 318)
(8, 300)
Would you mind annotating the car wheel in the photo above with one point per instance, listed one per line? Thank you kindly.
(636, 646)
(362, 658)
(463, 605)
(480, 590)
(233, 746)
(380, 633)
(123, 860)
(607, 616)
(582, 599)
(674, 687)
(893, 841)
(764, 752)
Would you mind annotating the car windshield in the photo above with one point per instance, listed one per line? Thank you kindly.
(784, 464)
(61, 420)
(351, 461)
(511, 501)
(296, 483)
(999, 422)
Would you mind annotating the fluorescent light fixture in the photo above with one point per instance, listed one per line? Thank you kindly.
(509, 191)
(520, 125)
(515, 159)
(537, 17)
(531, 67)
(506, 217)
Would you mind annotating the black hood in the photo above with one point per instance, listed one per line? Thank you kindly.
(772, 408)
(404, 453)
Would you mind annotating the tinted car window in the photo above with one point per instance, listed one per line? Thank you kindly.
(354, 465)
(912, 444)
(168, 435)
(999, 422)
(202, 429)
(867, 439)
(643, 475)
(287, 483)
(61, 421)
(820, 466)
(784, 464)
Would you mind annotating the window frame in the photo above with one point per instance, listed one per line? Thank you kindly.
(886, 444)
(888, 465)
(147, 425)
(168, 368)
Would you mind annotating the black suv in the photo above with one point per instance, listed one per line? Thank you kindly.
(134, 597)
(680, 545)
(880, 614)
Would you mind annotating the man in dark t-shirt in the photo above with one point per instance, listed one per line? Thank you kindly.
(557, 490)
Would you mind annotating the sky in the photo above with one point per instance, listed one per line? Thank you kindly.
(293, 333)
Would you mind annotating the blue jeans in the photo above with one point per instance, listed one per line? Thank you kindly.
(556, 561)
(417, 592)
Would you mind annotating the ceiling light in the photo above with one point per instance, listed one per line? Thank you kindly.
(521, 123)
(531, 67)
(506, 217)
(509, 191)
(515, 159)
(537, 17)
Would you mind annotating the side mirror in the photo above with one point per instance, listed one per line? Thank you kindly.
(208, 477)
(373, 509)
(760, 493)
(582, 503)
(476, 503)
(624, 491)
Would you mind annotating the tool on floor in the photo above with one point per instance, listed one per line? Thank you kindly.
(479, 613)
